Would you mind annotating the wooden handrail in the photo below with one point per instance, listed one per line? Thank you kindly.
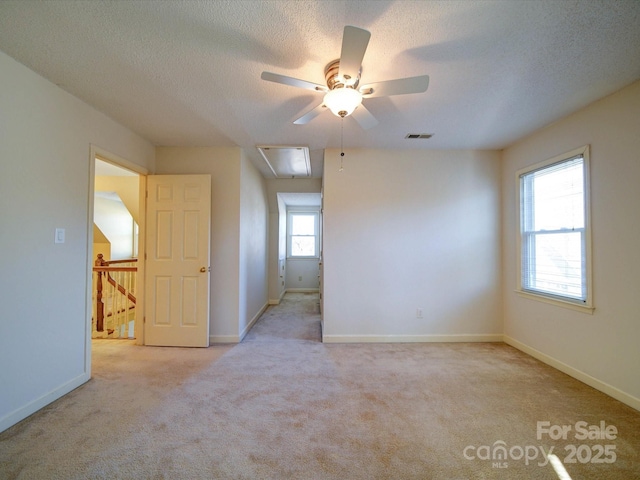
(126, 260)
(115, 269)
(101, 262)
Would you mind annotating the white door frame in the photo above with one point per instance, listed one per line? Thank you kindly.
(97, 152)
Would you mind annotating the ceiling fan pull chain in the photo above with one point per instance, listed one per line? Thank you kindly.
(341, 142)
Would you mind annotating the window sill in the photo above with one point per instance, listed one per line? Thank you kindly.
(555, 301)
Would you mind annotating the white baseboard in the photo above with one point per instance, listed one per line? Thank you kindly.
(32, 407)
(278, 300)
(253, 321)
(213, 339)
(610, 390)
(238, 338)
(497, 337)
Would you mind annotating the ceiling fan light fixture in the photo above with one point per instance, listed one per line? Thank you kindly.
(343, 95)
(343, 101)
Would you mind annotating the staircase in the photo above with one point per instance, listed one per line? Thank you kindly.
(114, 300)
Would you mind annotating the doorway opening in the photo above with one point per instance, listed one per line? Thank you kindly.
(300, 243)
(116, 272)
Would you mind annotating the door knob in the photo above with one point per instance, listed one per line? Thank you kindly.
(203, 269)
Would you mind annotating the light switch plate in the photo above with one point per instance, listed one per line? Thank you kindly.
(59, 236)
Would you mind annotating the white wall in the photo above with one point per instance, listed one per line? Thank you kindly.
(100, 245)
(127, 188)
(115, 221)
(45, 140)
(253, 246)
(223, 164)
(600, 349)
(302, 274)
(410, 229)
(277, 252)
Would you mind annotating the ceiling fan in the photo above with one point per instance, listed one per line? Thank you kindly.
(343, 93)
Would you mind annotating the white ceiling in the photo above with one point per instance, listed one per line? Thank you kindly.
(106, 169)
(187, 73)
(301, 199)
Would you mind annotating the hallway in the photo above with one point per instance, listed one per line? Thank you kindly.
(297, 317)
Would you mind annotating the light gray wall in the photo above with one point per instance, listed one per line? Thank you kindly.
(224, 166)
(254, 218)
(600, 349)
(45, 177)
(302, 274)
(407, 230)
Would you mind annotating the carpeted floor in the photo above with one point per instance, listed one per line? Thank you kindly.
(283, 405)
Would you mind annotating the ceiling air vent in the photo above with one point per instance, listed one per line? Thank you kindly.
(419, 135)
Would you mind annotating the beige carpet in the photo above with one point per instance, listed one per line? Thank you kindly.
(283, 405)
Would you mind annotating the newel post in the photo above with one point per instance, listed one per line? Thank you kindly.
(100, 262)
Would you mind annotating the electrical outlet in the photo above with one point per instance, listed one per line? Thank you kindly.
(418, 313)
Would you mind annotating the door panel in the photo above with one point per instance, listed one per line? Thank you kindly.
(177, 266)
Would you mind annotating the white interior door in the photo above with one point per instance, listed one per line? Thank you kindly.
(177, 266)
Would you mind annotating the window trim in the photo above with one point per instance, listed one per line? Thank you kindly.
(303, 211)
(585, 306)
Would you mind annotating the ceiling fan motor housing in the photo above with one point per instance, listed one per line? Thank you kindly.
(331, 75)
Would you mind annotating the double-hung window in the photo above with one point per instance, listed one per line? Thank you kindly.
(555, 261)
(303, 238)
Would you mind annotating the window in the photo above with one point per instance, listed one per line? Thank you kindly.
(303, 234)
(554, 229)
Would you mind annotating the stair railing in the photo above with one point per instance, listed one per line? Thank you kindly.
(115, 301)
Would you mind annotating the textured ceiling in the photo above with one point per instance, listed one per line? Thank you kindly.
(187, 73)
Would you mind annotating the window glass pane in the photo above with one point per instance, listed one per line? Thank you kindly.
(303, 246)
(557, 264)
(303, 224)
(558, 201)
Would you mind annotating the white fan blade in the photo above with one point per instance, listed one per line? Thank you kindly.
(400, 86)
(310, 115)
(294, 82)
(354, 45)
(364, 117)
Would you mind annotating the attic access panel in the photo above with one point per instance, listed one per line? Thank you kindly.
(287, 161)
